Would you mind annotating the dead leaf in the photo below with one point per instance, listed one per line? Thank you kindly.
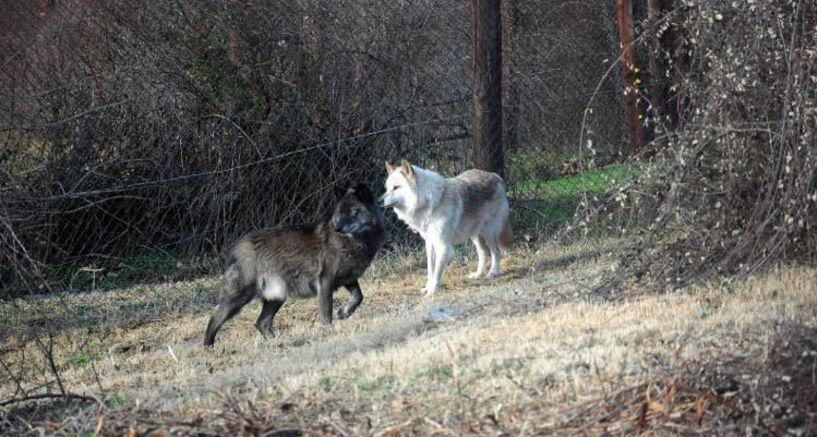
(657, 407)
(642, 416)
(699, 410)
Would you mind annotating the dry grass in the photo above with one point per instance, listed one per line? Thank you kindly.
(533, 352)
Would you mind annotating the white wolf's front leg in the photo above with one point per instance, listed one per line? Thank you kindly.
(442, 254)
(429, 266)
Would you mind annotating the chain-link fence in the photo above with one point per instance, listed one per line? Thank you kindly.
(173, 127)
(563, 110)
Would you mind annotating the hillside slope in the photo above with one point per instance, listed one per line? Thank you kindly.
(532, 352)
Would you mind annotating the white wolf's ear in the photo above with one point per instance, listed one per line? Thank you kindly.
(406, 167)
(389, 168)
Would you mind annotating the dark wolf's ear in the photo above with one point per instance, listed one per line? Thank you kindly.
(389, 168)
(340, 191)
(363, 193)
(406, 167)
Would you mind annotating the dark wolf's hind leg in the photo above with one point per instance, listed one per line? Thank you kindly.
(325, 291)
(230, 304)
(357, 298)
(268, 311)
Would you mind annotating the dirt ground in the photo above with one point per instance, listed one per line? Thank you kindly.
(532, 352)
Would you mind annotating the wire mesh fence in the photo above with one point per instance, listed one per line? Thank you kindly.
(173, 127)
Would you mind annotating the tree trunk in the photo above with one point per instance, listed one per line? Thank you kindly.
(679, 66)
(624, 18)
(510, 93)
(657, 68)
(486, 46)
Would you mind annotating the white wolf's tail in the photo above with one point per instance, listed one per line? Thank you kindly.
(505, 236)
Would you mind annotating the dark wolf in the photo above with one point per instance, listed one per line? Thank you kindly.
(284, 262)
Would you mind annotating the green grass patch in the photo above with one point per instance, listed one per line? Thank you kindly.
(116, 401)
(595, 181)
(434, 373)
(92, 347)
(552, 203)
(368, 388)
(541, 164)
(81, 360)
(81, 310)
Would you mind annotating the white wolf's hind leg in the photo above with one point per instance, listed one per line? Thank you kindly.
(496, 257)
(482, 250)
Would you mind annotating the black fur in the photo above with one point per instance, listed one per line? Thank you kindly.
(309, 260)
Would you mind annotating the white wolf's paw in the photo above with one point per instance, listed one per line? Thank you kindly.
(475, 275)
(492, 274)
(429, 289)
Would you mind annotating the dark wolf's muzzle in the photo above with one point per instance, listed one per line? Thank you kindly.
(350, 226)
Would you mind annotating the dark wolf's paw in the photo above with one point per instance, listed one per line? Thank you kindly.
(266, 333)
(346, 311)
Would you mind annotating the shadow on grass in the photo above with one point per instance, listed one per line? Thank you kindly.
(567, 260)
(110, 273)
(90, 311)
(21, 414)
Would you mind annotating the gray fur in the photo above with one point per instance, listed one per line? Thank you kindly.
(477, 189)
(285, 262)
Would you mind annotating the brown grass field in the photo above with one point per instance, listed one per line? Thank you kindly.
(533, 352)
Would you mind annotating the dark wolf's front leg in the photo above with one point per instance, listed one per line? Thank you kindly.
(325, 291)
(354, 302)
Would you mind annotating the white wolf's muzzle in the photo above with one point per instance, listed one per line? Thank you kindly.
(388, 201)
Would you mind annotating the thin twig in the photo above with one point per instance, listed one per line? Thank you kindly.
(65, 396)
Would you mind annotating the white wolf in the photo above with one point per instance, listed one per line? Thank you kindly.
(448, 211)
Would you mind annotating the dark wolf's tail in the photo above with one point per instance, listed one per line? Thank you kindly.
(505, 236)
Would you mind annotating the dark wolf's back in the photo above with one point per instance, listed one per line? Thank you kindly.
(291, 253)
(297, 254)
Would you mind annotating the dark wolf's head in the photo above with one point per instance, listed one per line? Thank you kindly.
(356, 211)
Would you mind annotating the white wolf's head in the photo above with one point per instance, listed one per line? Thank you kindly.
(401, 187)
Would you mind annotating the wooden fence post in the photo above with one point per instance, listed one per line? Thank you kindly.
(624, 18)
(486, 48)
